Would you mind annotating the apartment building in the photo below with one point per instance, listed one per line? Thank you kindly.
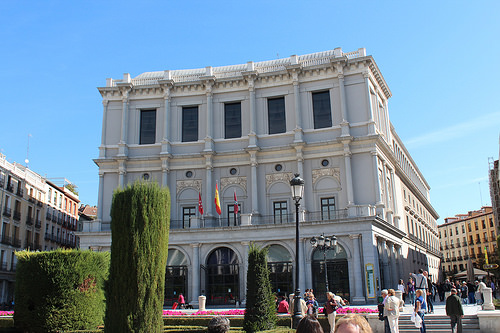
(36, 215)
(247, 129)
(468, 235)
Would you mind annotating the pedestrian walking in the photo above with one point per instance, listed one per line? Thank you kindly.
(331, 307)
(410, 287)
(392, 305)
(455, 311)
(420, 308)
(383, 313)
(472, 290)
(464, 292)
(402, 288)
(420, 279)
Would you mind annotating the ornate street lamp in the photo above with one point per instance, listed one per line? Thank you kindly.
(324, 244)
(297, 185)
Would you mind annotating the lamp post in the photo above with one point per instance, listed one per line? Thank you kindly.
(324, 244)
(297, 185)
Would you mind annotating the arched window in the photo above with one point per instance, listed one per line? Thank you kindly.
(223, 280)
(337, 273)
(175, 276)
(280, 266)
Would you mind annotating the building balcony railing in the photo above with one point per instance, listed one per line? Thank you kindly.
(7, 212)
(10, 188)
(459, 258)
(54, 217)
(16, 243)
(20, 192)
(47, 236)
(2, 183)
(29, 220)
(31, 199)
(59, 220)
(453, 258)
(4, 267)
(48, 216)
(471, 242)
(473, 256)
(478, 241)
(448, 260)
(458, 244)
(464, 243)
(446, 247)
(38, 224)
(6, 240)
(17, 215)
(39, 203)
(452, 246)
(485, 240)
(30, 245)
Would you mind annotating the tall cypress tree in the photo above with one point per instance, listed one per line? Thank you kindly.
(140, 219)
(260, 311)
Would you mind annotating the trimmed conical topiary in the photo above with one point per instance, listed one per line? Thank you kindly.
(140, 218)
(260, 311)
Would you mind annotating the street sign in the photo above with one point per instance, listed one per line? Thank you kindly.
(490, 266)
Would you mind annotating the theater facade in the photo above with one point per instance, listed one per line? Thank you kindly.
(248, 129)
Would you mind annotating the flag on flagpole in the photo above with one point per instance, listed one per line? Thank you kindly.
(236, 208)
(486, 255)
(200, 204)
(217, 202)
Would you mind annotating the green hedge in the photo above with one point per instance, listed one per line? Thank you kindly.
(140, 217)
(60, 290)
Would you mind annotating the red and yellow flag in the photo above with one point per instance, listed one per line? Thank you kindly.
(217, 202)
(200, 204)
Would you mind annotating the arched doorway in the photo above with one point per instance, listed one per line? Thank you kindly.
(175, 276)
(223, 279)
(338, 273)
(280, 266)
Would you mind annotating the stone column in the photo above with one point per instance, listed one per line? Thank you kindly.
(348, 175)
(298, 112)
(195, 275)
(210, 188)
(165, 142)
(254, 189)
(243, 279)
(122, 145)
(165, 170)
(395, 203)
(344, 124)
(100, 195)
(122, 171)
(388, 205)
(394, 269)
(358, 270)
(371, 121)
(302, 266)
(209, 143)
(385, 264)
(488, 299)
(102, 148)
(378, 195)
(300, 161)
(252, 136)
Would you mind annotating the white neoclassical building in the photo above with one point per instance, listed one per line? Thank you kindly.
(249, 128)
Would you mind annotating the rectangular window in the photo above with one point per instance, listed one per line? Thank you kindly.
(187, 212)
(276, 115)
(189, 124)
(148, 127)
(476, 225)
(280, 212)
(321, 109)
(484, 224)
(327, 208)
(232, 120)
(231, 219)
(463, 228)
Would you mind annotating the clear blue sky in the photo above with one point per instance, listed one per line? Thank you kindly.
(439, 58)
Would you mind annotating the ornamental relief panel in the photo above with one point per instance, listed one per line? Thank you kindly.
(193, 183)
(226, 181)
(332, 172)
(278, 177)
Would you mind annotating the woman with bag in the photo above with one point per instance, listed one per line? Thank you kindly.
(420, 309)
(392, 305)
(330, 309)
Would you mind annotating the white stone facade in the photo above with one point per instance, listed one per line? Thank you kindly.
(358, 175)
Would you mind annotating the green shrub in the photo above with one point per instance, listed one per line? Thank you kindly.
(60, 290)
(260, 311)
(140, 216)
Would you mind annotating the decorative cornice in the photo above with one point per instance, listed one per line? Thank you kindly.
(193, 183)
(278, 177)
(332, 172)
(226, 181)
